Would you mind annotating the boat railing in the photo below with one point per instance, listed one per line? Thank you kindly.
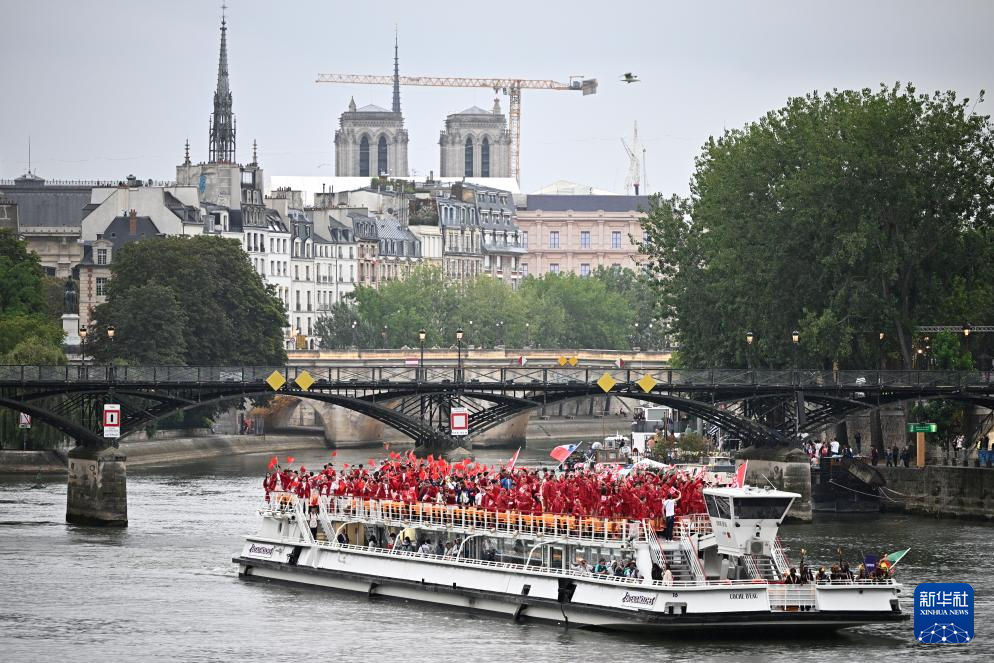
(792, 597)
(279, 503)
(511, 566)
(426, 514)
(694, 523)
(780, 558)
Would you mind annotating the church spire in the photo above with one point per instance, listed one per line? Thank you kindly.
(396, 74)
(222, 127)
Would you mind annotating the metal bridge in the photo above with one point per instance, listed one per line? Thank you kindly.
(761, 407)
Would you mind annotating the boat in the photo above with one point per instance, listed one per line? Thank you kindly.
(727, 564)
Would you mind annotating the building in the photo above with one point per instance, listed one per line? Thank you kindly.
(580, 233)
(399, 250)
(476, 143)
(8, 213)
(371, 140)
(48, 218)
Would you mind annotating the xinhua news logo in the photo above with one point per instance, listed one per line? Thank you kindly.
(944, 613)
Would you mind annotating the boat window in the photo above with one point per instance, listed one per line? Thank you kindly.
(761, 507)
(718, 507)
(556, 558)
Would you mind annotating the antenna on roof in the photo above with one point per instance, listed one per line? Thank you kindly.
(29, 155)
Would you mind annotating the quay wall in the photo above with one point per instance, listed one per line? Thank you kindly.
(162, 452)
(940, 491)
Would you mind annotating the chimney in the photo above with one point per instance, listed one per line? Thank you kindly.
(133, 223)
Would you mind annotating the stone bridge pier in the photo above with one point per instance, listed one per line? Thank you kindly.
(98, 487)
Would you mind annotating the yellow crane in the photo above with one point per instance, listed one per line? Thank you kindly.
(509, 86)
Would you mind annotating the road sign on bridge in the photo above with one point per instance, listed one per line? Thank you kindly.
(459, 421)
(112, 420)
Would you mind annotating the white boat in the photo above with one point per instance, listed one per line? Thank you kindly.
(727, 565)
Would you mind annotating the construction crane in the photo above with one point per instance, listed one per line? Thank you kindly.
(509, 86)
(636, 171)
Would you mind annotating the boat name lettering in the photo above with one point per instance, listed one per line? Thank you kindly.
(261, 550)
(743, 596)
(638, 599)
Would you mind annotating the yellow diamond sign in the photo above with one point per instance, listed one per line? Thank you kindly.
(562, 361)
(606, 383)
(648, 383)
(304, 380)
(276, 380)
(573, 361)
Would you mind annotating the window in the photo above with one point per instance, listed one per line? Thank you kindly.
(615, 239)
(101, 286)
(553, 239)
(554, 268)
(584, 239)
(584, 269)
(485, 158)
(364, 157)
(760, 508)
(101, 256)
(524, 238)
(381, 156)
(469, 157)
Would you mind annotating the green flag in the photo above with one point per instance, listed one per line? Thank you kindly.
(896, 557)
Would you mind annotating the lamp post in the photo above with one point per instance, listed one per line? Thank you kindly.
(749, 339)
(110, 332)
(499, 337)
(422, 334)
(355, 337)
(528, 337)
(795, 337)
(967, 328)
(635, 341)
(921, 353)
(459, 334)
(384, 334)
(880, 351)
(82, 351)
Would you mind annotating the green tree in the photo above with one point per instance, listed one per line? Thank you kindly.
(34, 351)
(16, 328)
(840, 215)
(218, 307)
(424, 300)
(21, 277)
(334, 326)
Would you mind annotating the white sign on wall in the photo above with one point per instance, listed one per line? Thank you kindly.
(112, 420)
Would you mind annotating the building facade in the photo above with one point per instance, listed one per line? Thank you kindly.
(580, 233)
(371, 140)
(476, 143)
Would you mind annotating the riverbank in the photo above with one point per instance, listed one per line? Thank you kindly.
(148, 453)
(941, 491)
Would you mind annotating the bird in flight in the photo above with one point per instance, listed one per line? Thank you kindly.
(629, 77)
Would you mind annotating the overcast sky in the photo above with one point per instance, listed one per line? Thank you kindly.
(111, 87)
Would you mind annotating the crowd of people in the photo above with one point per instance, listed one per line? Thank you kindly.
(881, 569)
(608, 493)
(894, 456)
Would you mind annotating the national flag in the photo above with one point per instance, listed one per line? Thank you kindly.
(740, 475)
(272, 462)
(289, 460)
(563, 451)
(896, 557)
(522, 360)
(619, 363)
(334, 453)
(372, 462)
(514, 459)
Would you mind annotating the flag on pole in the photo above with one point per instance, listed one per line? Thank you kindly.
(563, 451)
(740, 475)
(514, 459)
(896, 557)
(619, 363)
(522, 360)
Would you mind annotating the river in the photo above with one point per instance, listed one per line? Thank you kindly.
(164, 589)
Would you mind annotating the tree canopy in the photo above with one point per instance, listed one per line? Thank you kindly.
(188, 301)
(26, 323)
(841, 216)
(553, 311)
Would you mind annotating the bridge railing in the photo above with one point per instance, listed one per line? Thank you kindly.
(505, 375)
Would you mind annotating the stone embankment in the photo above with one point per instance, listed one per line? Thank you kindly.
(940, 491)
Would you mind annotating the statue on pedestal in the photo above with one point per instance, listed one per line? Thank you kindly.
(70, 297)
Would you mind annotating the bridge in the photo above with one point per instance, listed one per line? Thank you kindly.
(760, 407)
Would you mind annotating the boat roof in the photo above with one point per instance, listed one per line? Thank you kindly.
(748, 491)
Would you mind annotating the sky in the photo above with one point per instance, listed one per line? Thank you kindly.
(107, 88)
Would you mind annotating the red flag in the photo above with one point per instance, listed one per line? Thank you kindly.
(289, 459)
(514, 459)
(372, 462)
(334, 453)
(272, 463)
(740, 474)
(303, 469)
(346, 465)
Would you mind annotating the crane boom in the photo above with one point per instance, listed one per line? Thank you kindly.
(509, 86)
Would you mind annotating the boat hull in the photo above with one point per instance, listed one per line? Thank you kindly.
(524, 607)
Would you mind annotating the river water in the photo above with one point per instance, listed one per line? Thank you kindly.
(164, 589)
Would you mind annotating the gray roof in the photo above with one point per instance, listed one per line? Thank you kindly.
(553, 203)
(392, 229)
(50, 205)
(118, 233)
(474, 110)
(373, 108)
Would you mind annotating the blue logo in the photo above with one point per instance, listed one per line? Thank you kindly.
(944, 613)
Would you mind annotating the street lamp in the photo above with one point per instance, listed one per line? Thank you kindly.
(82, 352)
(966, 335)
(384, 333)
(880, 351)
(500, 337)
(422, 334)
(110, 332)
(528, 338)
(636, 343)
(795, 337)
(459, 334)
(749, 338)
(355, 338)
(921, 352)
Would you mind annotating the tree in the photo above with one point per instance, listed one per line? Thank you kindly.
(840, 215)
(21, 277)
(216, 310)
(424, 300)
(335, 327)
(28, 334)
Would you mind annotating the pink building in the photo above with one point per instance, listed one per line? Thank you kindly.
(567, 233)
